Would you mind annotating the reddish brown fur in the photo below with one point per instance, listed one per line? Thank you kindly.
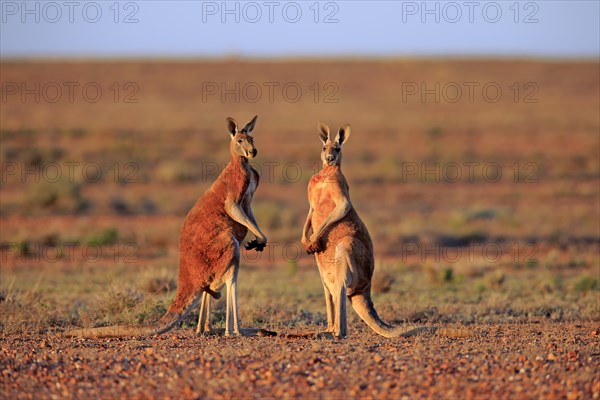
(324, 191)
(209, 243)
(343, 247)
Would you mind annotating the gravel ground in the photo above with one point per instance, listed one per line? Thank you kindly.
(537, 360)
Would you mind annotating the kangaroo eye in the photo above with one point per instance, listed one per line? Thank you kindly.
(323, 148)
(239, 140)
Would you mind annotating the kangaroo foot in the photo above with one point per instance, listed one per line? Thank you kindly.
(258, 332)
(312, 335)
(212, 332)
(246, 332)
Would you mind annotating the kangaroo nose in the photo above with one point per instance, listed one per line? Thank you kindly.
(330, 157)
(254, 152)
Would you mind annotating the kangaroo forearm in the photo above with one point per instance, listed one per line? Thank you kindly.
(307, 225)
(253, 219)
(337, 214)
(237, 214)
(305, 232)
(251, 215)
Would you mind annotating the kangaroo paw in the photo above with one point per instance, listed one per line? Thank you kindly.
(255, 245)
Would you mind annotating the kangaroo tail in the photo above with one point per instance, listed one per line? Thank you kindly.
(182, 305)
(447, 332)
(363, 305)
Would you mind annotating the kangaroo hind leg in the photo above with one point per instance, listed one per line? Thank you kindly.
(204, 319)
(338, 287)
(232, 325)
(328, 303)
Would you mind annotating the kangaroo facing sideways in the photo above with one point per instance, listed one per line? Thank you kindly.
(343, 248)
(209, 246)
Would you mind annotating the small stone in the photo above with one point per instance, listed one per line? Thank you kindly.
(572, 395)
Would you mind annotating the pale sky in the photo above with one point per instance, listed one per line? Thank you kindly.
(165, 28)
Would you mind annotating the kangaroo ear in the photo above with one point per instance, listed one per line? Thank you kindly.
(231, 126)
(250, 125)
(323, 132)
(343, 134)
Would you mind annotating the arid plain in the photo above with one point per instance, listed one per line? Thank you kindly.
(477, 179)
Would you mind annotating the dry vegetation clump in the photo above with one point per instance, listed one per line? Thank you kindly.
(383, 278)
(33, 312)
(163, 282)
(174, 171)
(61, 197)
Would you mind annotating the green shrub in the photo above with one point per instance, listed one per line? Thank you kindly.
(448, 275)
(585, 284)
(104, 238)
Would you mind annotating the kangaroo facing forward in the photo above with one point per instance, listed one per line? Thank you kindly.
(209, 245)
(343, 248)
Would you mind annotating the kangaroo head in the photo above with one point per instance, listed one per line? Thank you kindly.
(331, 154)
(242, 143)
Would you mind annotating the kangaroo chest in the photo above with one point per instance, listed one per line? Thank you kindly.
(321, 198)
(322, 202)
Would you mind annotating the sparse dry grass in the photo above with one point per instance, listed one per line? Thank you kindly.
(536, 306)
(280, 297)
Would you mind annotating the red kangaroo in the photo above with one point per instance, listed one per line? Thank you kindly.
(209, 245)
(343, 248)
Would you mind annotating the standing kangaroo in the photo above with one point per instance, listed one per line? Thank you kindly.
(209, 245)
(343, 248)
